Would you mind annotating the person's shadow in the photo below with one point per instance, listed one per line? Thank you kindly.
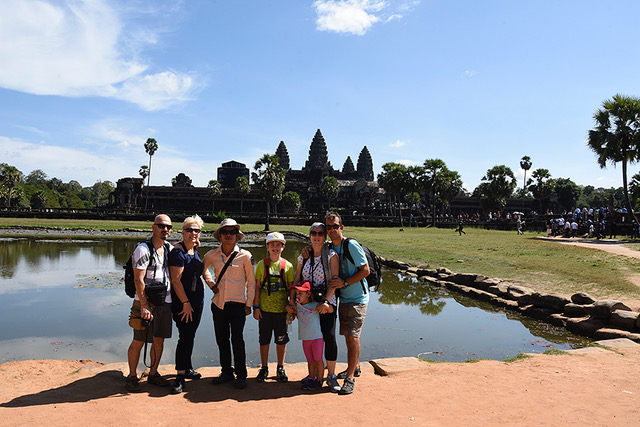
(104, 384)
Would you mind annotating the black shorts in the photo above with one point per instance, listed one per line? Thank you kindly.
(276, 322)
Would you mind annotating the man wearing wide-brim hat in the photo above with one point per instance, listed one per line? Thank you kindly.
(233, 295)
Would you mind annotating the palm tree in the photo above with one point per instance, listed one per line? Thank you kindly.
(143, 172)
(214, 191)
(151, 146)
(395, 179)
(329, 188)
(525, 164)
(242, 186)
(269, 177)
(616, 137)
(496, 186)
(11, 177)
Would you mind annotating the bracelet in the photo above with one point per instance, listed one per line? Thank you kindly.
(255, 306)
(186, 302)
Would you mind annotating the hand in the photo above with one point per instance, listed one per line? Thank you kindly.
(337, 282)
(323, 308)
(291, 309)
(305, 252)
(257, 314)
(145, 313)
(186, 315)
(247, 310)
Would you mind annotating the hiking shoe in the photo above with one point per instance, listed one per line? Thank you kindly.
(332, 383)
(157, 380)
(133, 384)
(223, 378)
(312, 384)
(281, 375)
(305, 379)
(190, 374)
(348, 386)
(240, 384)
(342, 375)
(263, 374)
(178, 385)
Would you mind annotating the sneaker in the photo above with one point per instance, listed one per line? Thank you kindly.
(305, 379)
(133, 384)
(342, 375)
(332, 383)
(178, 385)
(348, 386)
(263, 374)
(157, 380)
(281, 375)
(190, 374)
(312, 384)
(223, 378)
(240, 384)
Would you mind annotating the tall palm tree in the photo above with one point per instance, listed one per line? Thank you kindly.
(525, 164)
(616, 137)
(269, 177)
(395, 179)
(11, 177)
(243, 188)
(214, 191)
(151, 146)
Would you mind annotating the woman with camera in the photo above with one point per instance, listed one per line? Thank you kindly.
(187, 291)
(318, 267)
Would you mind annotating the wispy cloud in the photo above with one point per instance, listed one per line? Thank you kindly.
(82, 48)
(468, 74)
(407, 162)
(356, 16)
(397, 144)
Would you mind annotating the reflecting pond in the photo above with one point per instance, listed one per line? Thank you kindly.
(63, 298)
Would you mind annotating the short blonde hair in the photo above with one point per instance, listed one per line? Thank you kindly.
(195, 219)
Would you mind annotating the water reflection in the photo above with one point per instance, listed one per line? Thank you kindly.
(65, 299)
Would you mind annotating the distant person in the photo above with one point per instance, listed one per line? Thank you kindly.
(354, 296)
(151, 267)
(311, 335)
(233, 296)
(187, 294)
(460, 229)
(274, 277)
(519, 226)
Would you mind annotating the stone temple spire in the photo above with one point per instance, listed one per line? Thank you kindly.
(318, 157)
(283, 156)
(348, 167)
(365, 165)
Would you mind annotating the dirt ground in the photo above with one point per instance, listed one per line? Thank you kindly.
(594, 386)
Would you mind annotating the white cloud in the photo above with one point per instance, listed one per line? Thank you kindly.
(407, 162)
(81, 48)
(469, 74)
(397, 144)
(347, 16)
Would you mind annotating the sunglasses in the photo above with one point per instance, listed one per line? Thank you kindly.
(164, 226)
(333, 226)
(231, 232)
(192, 230)
(317, 233)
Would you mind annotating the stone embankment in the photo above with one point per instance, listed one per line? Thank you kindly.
(579, 313)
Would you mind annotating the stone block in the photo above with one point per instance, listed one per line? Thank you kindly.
(442, 270)
(624, 319)
(603, 309)
(557, 319)
(516, 293)
(610, 333)
(538, 313)
(480, 295)
(582, 298)
(499, 289)
(505, 303)
(463, 279)
(575, 310)
(584, 326)
(551, 301)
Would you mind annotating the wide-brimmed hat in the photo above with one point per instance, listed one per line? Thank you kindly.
(276, 237)
(303, 286)
(228, 222)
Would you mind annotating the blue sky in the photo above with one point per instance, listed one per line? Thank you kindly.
(83, 84)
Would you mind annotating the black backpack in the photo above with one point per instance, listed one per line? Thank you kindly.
(129, 283)
(375, 271)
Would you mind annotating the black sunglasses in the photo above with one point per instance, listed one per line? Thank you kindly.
(192, 230)
(317, 233)
(333, 226)
(231, 232)
(164, 226)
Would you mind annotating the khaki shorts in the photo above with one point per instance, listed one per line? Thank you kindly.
(161, 322)
(351, 318)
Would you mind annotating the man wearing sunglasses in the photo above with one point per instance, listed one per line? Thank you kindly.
(354, 297)
(149, 266)
(232, 300)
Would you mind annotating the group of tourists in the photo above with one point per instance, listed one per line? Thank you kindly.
(330, 278)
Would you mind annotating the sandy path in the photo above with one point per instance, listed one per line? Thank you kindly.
(613, 246)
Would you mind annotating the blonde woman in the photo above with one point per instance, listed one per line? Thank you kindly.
(187, 292)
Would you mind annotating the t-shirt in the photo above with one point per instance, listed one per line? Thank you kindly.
(313, 272)
(191, 275)
(277, 301)
(159, 270)
(355, 292)
(308, 321)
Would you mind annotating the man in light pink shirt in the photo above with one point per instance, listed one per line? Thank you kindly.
(231, 303)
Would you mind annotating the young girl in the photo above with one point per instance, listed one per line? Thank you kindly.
(311, 335)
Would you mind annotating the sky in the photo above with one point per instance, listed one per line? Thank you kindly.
(84, 83)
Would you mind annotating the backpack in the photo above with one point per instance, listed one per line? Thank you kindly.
(129, 282)
(265, 278)
(375, 271)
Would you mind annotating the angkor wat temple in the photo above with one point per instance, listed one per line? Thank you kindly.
(358, 190)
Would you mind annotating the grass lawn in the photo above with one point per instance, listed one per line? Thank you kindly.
(544, 266)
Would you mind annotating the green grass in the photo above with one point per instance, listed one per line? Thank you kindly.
(556, 352)
(542, 265)
(517, 358)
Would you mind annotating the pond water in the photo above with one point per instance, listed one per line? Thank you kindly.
(64, 298)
